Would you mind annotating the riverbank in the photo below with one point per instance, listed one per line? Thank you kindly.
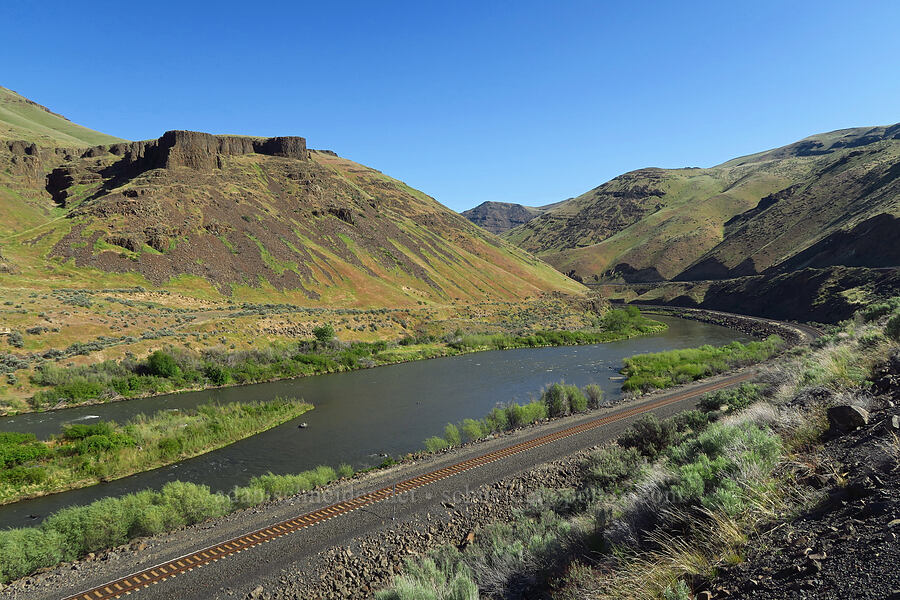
(175, 370)
(86, 454)
(662, 370)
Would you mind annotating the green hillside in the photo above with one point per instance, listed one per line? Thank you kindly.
(22, 119)
(812, 203)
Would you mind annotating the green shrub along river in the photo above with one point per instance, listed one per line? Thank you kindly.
(557, 400)
(666, 369)
(83, 455)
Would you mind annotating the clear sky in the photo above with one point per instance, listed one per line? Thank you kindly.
(528, 102)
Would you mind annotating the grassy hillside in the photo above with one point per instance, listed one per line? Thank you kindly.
(22, 119)
(829, 195)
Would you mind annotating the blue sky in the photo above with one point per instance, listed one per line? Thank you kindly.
(528, 102)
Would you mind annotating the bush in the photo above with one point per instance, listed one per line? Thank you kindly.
(324, 333)
(677, 591)
(875, 311)
(497, 420)
(474, 430)
(435, 443)
(515, 415)
(103, 443)
(892, 329)
(18, 448)
(162, 364)
(451, 434)
(533, 412)
(733, 399)
(690, 421)
(649, 436)
(80, 431)
(425, 580)
(15, 339)
(101, 524)
(24, 550)
(556, 399)
(577, 400)
(594, 395)
(709, 464)
(21, 476)
(217, 374)
(613, 464)
(192, 502)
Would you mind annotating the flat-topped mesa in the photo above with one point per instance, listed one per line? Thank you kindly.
(203, 151)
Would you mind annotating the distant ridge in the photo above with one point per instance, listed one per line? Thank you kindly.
(828, 200)
(498, 217)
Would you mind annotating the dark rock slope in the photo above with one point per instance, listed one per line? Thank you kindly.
(848, 546)
(832, 199)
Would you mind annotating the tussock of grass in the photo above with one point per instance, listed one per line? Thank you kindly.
(428, 581)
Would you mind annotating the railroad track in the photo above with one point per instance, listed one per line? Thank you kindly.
(189, 562)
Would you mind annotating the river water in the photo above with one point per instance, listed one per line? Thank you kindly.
(359, 416)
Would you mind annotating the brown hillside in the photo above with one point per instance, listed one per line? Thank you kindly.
(251, 213)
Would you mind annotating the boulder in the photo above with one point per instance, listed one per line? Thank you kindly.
(845, 418)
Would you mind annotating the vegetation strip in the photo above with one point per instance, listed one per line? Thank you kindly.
(666, 369)
(177, 369)
(143, 578)
(86, 454)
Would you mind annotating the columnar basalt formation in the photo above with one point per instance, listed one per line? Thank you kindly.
(203, 151)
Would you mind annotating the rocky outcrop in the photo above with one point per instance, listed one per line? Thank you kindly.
(631, 275)
(62, 178)
(842, 546)
(7, 267)
(203, 151)
(807, 295)
(862, 246)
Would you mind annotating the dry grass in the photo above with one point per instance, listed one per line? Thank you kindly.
(892, 447)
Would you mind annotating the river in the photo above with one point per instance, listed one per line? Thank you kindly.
(359, 416)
